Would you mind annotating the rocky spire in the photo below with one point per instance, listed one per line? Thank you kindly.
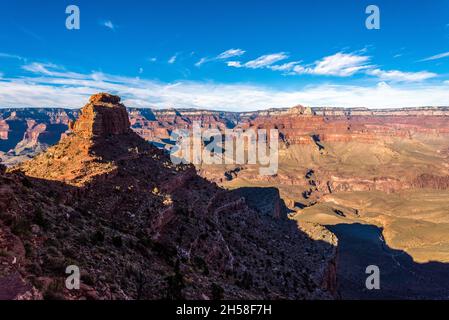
(103, 116)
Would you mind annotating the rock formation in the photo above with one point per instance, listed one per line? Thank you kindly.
(103, 116)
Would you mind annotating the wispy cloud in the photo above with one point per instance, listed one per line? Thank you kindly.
(201, 62)
(400, 76)
(108, 24)
(231, 53)
(12, 56)
(340, 64)
(436, 57)
(31, 34)
(152, 59)
(261, 62)
(235, 64)
(266, 60)
(173, 59)
(285, 66)
(50, 85)
(52, 70)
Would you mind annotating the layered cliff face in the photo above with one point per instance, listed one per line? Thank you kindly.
(26, 132)
(139, 227)
(103, 116)
(23, 130)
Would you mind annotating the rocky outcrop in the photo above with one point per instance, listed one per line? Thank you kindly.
(103, 116)
(267, 201)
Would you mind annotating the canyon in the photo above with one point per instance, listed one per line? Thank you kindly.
(376, 179)
(140, 227)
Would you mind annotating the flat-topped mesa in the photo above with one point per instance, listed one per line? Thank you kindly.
(300, 110)
(103, 116)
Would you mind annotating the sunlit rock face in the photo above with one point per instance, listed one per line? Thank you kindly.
(104, 115)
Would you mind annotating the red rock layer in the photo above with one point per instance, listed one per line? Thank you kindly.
(102, 116)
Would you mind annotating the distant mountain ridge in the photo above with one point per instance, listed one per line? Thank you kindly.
(25, 131)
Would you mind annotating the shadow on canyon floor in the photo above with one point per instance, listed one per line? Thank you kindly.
(359, 245)
(400, 277)
(266, 200)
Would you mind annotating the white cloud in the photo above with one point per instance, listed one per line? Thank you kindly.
(152, 59)
(11, 56)
(288, 67)
(50, 69)
(140, 70)
(437, 56)
(235, 64)
(37, 67)
(201, 62)
(266, 60)
(400, 76)
(173, 59)
(297, 70)
(49, 86)
(340, 64)
(231, 53)
(347, 64)
(108, 24)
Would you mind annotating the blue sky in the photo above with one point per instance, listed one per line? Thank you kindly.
(233, 55)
